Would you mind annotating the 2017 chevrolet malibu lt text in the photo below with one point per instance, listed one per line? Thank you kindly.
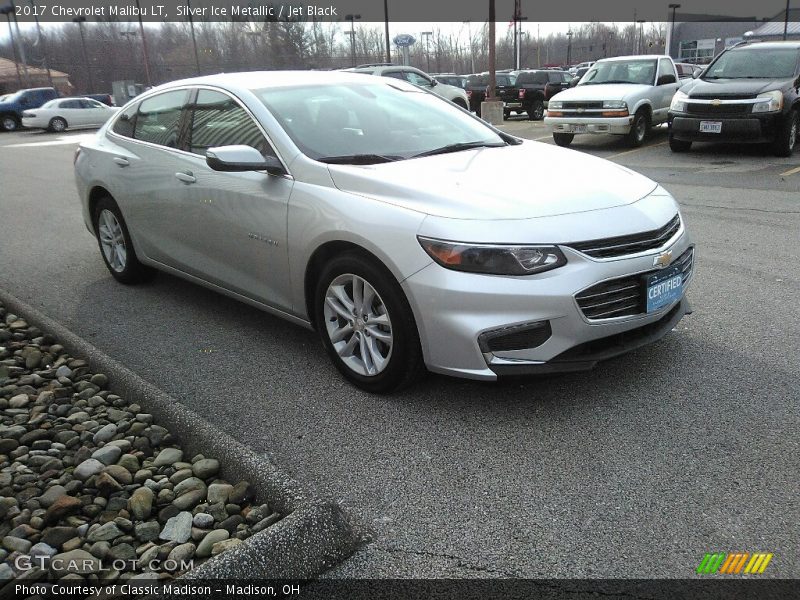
(386, 218)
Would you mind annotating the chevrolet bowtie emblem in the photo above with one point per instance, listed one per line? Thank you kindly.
(716, 102)
(662, 260)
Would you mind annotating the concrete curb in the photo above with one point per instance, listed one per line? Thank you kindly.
(314, 535)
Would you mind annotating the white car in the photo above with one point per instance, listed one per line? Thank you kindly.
(68, 113)
(455, 94)
(625, 95)
(394, 223)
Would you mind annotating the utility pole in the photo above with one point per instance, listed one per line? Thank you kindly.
(471, 47)
(569, 48)
(492, 65)
(786, 22)
(641, 35)
(352, 19)
(43, 45)
(21, 41)
(80, 21)
(427, 35)
(386, 29)
(144, 47)
(194, 40)
(674, 7)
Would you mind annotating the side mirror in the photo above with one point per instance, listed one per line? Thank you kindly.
(696, 74)
(666, 79)
(434, 83)
(242, 158)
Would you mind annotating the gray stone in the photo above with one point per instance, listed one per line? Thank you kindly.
(241, 492)
(122, 552)
(42, 549)
(100, 549)
(205, 546)
(88, 468)
(220, 547)
(78, 562)
(178, 528)
(63, 371)
(15, 544)
(19, 401)
(105, 434)
(141, 503)
(51, 495)
(121, 474)
(129, 462)
(147, 531)
(205, 468)
(258, 513)
(266, 522)
(108, 455)
(182, 552)
(189, 499)
(189, 485)
(104, 533)
(168, 456)
(203, 520)
(219, 492)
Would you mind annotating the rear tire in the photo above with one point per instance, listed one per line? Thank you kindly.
(563, 139)
(506, 115)
(9, 123)
(536, 112)
(679, 145)
(460, 103)
(116, 246)
(787, 138)
(57, 124)
(375, 346)
(639, 128)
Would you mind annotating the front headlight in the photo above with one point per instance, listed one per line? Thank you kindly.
(493, 259)
(678, 103)
(555, 105)
(768, 102)
(617, 104)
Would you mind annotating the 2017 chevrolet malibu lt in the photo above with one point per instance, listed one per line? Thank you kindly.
(388, 219)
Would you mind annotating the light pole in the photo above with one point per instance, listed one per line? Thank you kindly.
(569, 48)
(42, 44)
(80, 21)
(674, 7)
(144, 48)
(386, 29)
(7, 10)
(786, 22)
(352, 19)
(194, 40)
(641, 34)
(427, 35)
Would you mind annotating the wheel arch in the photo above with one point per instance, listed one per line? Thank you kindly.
(95, 194)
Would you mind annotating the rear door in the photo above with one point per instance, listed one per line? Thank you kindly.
(242, 215)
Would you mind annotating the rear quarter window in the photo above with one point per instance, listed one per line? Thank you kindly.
(125, 123)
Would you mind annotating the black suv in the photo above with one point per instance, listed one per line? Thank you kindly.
(750, 94)
(536, 87)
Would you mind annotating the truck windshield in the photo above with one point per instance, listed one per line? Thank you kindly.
(752, 63)
(621, 71)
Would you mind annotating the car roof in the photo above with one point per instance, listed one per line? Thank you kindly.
(769, 45)
(633, 57)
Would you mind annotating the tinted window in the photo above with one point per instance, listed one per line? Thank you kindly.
(158, 119)
(394, 74)
(217, 120)
(88, 103)
(125, 122)
(71, 104)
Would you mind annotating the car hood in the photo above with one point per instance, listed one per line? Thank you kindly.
(730, 87)
(513, 182)
(601, 91)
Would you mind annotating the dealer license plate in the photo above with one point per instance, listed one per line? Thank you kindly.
(710, 126)
(579, 129)
(664, 288)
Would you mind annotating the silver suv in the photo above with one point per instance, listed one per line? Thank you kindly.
(456, 95)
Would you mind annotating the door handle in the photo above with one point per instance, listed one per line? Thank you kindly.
(185, 176)
(122, 162)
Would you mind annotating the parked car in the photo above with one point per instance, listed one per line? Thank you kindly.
(748, 94)
(625, 95)
(337, 201)
(456, 95)
(106, 99)
(68, 113)
(11, 108)
(476, 87)
(459, 81)
(535, 88)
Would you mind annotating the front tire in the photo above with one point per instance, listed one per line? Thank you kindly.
(9, 123)
(563, 139)
(679, 145)
(116, 246)
(786, 140)
(366, 324)
(536, 112)
(57, 124)
(639, 128)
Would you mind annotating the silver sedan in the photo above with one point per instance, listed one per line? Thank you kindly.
(406, 231)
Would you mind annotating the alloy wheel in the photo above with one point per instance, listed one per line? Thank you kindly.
(358, 324)
(9, 123)
(59, 125)
(112, 241)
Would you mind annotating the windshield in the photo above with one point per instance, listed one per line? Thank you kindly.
(380, 120)
(621, 71)
(752, 63)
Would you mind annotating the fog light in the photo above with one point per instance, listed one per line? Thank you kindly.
(516, 337)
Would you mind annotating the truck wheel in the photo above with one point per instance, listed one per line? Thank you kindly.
(536, 112)
(786, 140)
(563, 139)
(678, 145)
(506, 114)
(639, 129)
(9, 123)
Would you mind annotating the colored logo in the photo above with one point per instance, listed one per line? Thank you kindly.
(734, 563)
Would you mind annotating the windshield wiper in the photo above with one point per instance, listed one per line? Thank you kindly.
(459, 147)
(358, 159)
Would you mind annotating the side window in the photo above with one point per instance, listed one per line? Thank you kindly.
(217, 120)
(394, 75)
(158, 119)
(125, 122)
(89, 103)
(666, 68)
(555, 77)
(71, 104)
(416, 79)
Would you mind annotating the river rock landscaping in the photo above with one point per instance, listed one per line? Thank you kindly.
(91, 489)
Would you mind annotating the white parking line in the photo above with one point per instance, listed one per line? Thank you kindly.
(71, 139)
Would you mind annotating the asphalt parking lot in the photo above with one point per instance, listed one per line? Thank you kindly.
(633, 470)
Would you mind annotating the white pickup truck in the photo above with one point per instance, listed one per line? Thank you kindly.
(625, 95)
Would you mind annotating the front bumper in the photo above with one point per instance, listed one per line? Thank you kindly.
(749, 128)
(453, 309)
(596, 125)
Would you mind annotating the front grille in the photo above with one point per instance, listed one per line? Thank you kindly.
(574, 105)
(722, 97)
(625, 296)
(628, 244)
(712, 110)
